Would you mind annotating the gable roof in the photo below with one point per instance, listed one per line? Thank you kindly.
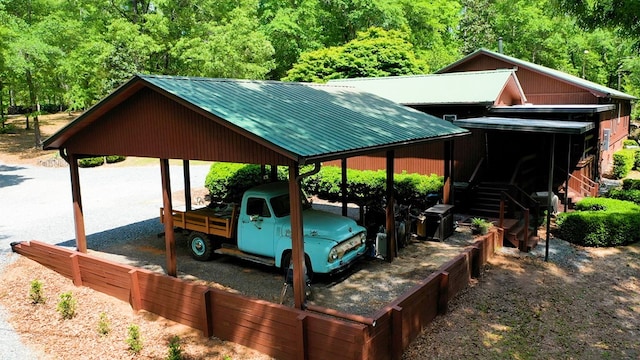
(472, 87)
(303, 122)
(596, 89)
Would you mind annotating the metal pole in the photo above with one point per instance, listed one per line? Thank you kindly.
(549, 193)
(566, 186)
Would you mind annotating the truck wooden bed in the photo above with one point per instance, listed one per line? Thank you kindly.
(218, 222)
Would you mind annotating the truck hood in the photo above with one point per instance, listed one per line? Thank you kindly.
(322, 224)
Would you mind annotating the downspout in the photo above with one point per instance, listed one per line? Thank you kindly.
(316, 169)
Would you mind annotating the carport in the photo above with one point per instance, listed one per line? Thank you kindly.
(259, 122)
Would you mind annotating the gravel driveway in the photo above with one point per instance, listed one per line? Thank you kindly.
(36, 204)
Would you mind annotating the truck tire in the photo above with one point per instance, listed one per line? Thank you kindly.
(200, 246)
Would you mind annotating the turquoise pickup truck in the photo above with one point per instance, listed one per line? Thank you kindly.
(260, 231)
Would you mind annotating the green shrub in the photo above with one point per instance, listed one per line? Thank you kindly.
(8, 129)
(175, 351)
(623, 162)
(134, 340)
(632, 195)
(601, 222)
(67, 305)
(112, 159)
(91, 162)
(630, 142)
(636, 160)
(228, 181)
(631, 184)
(104, 327)
(35, 293)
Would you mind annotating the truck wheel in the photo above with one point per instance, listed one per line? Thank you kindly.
(200, 246)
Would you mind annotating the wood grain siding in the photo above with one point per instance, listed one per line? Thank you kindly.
(147, 125)
(539, 89)
(107, 277)
(426, 159)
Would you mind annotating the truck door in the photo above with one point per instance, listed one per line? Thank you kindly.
(257, 227)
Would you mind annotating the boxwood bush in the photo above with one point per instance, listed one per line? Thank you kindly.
(601, 222)
(227, 182)
(91, 162)
(623, 162)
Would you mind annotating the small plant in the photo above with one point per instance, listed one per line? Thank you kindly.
(175, 351)
(134, 340)
(104, 327)
(67, 305)
(35, 293)
(480, 226)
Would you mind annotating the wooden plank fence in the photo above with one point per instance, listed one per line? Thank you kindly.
(276, 330)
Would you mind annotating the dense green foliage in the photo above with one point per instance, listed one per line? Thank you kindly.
(91, 162)
(72, 53)
(623, 162)
(227, 182)
(630, 191)
(600, 222)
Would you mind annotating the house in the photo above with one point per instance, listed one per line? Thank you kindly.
(506, 101)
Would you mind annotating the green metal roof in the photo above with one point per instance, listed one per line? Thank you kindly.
(307, 122)
(472, 87)
(603, 91)
(526, 125)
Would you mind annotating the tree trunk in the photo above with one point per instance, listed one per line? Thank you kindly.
(2, 120)
(33, 100)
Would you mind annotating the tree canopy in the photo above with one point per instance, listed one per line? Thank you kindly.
(69, 54)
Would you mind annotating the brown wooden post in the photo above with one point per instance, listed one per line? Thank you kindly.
(75, 270)
(297, 240)
(396, 333)
(207, 324)
(443, 293)
(343, 187)
(78, 215)
(135, 299)
(187, 184)
(301, 332)
(391, 221)
(169, 235)
(447, 189)
(476, 259)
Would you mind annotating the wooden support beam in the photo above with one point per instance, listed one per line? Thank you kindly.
(343, 187)
(447, 189)
(397, 336)
(78, 215)
(391, 221)
(187, 184)
(443, 293)
(169, 235)
(297, 239)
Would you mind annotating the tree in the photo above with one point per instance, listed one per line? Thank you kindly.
(373, 53)
(235, 48)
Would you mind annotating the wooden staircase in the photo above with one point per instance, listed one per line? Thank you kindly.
(491, 199)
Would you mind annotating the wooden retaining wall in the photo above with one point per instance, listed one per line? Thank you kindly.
(276, 330)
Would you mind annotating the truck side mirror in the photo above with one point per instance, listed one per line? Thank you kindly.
(255, 218)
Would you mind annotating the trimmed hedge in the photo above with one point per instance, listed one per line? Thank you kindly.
(91, 162)
(227, 182)
(623, 162)
(600, 222)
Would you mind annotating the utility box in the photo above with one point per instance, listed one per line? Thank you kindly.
(436, 223)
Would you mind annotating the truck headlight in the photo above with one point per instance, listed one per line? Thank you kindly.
(363, 238)
(333, 255)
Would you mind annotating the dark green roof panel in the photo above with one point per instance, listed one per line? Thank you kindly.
(310, 120)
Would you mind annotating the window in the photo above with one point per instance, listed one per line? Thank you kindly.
(450, 117)
(258, 206)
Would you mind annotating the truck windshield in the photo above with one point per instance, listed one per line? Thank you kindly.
(280, 205)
